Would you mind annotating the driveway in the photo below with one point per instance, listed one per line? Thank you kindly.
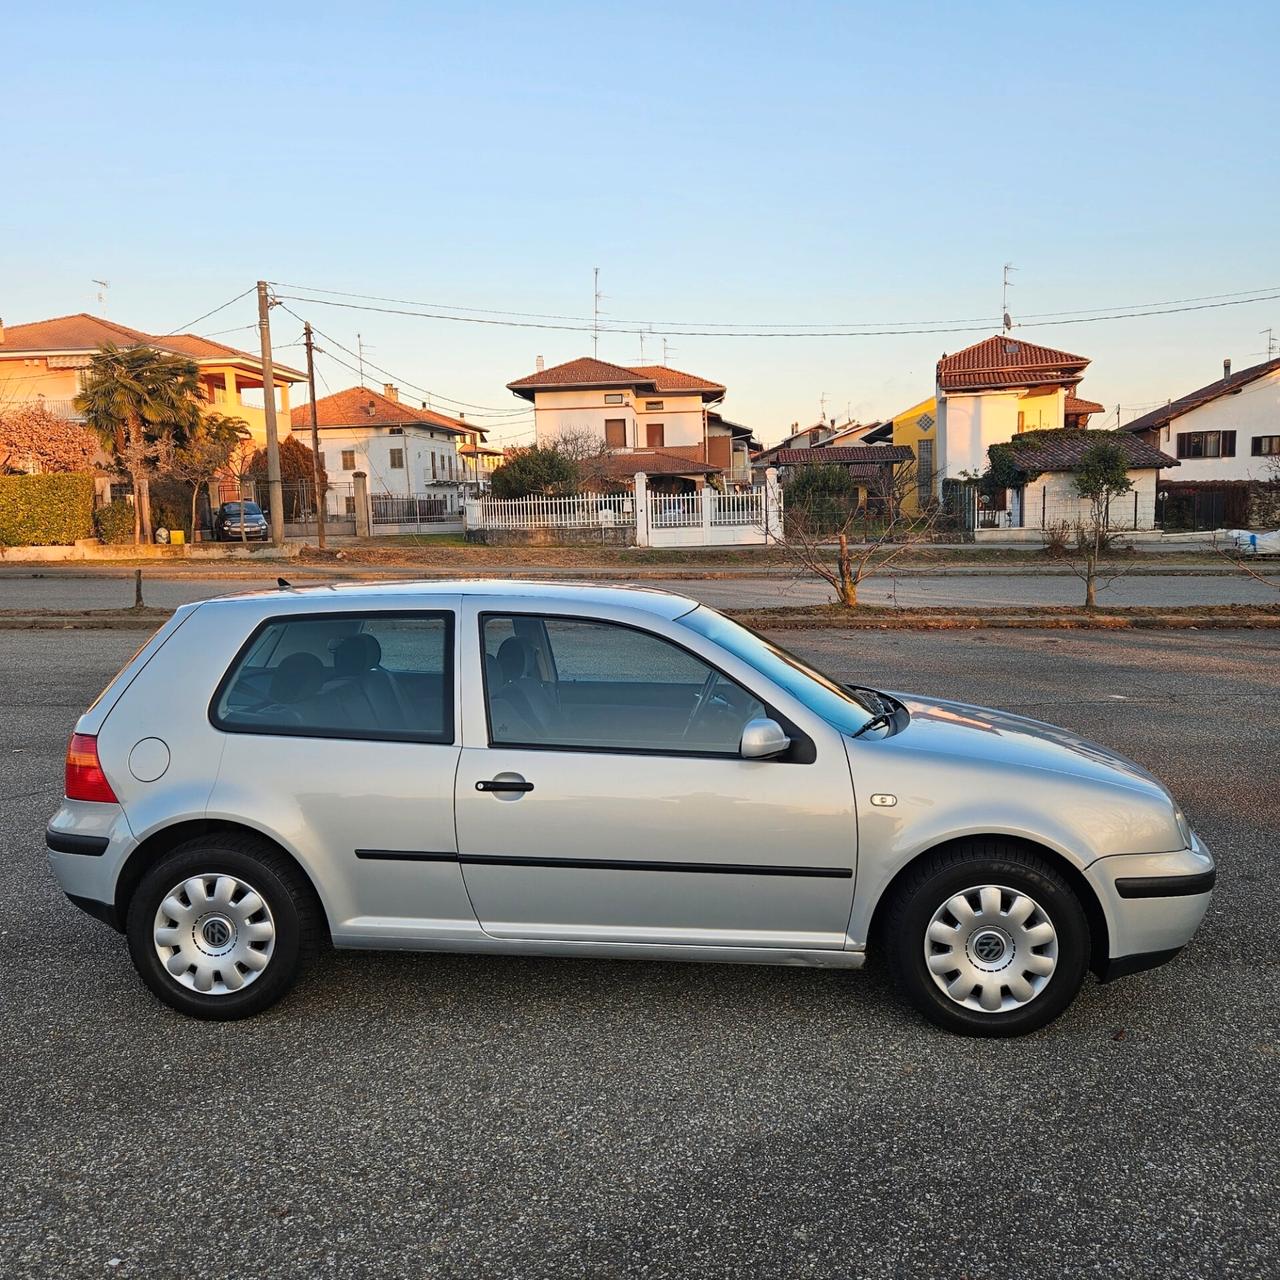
(415, 1115)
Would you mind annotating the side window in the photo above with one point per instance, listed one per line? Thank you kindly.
(344, 675)
(566, 682)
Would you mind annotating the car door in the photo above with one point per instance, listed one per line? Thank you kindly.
(341, 738)
(601, 796)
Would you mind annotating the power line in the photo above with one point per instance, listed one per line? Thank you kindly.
(186, 328)
(628, 324)
(486, 410)
(588, 327)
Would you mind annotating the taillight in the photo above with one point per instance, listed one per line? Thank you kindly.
(85, 779)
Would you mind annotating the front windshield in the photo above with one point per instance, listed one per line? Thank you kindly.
(250, 509)
(837, 706)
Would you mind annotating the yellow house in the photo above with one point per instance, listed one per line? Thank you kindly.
(917, 428)
(44, 363)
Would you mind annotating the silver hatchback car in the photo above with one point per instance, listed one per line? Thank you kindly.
(534, 769)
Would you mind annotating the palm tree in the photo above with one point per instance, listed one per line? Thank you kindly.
(141, 403)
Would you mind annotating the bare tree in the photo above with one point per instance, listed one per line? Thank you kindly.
(822, 518)
(1101, 475)
(587, 451)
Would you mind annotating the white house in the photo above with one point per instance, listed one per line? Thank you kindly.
(998, 388)
(647, 410)
(404, 451)
(1226, 430)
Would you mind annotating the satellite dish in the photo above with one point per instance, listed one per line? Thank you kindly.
(1008, 322)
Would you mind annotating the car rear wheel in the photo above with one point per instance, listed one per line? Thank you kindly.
(220, 927)
(988, 940)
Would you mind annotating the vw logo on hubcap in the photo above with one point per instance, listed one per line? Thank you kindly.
(989, 946)
(216, 932)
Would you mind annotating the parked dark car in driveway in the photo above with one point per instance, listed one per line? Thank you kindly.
(228, 526)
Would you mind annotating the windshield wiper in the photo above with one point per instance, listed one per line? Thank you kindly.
(880, 721)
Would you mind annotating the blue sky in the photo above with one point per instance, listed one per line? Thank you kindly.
(794, 163)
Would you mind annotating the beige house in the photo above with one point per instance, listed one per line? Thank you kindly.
(646, 410)
(44, 362)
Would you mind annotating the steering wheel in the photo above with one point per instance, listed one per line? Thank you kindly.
(700, 702)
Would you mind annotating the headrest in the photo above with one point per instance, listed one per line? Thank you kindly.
(298, 676)
(515, 658)
(492, 670)
(356, 654)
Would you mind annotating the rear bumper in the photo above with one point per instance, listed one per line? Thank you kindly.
(88, 844)
(1153, 904)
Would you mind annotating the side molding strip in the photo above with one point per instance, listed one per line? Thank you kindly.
(607, 864)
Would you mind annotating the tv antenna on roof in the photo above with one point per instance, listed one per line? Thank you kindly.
(103, 286)
(1273, 344)
(596, 298)
(1004, 295)
(361, 348)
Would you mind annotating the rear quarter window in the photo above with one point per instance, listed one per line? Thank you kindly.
(343, 675)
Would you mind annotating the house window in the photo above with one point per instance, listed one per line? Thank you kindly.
(1266, 446)
(924, 472)
(615, 433)
(348, 459)
(1206, 444)
(653, 435)
(613, 398)
(397, 459)
(1022, 422)
(396, 431)
(653, 406)
(349, 504)
(433, 466)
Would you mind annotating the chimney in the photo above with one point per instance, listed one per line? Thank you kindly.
(539, 364)
(391, 391)
(1226, 369)
(1, 333)
(462, 417)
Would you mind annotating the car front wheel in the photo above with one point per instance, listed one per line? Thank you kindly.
(220, 927)
(988, 940)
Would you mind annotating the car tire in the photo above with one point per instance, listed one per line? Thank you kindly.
(226, 955)
(1003, 963)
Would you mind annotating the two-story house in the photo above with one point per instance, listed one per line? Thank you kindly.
(998, 388)
(657, 416)
(1227, 430)
(404, 451)
(45, 361)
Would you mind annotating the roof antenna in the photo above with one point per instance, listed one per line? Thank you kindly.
(596, 296)
(1004, 296)
(103, 286)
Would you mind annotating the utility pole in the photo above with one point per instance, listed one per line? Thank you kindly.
(275, 493)
(315, 435)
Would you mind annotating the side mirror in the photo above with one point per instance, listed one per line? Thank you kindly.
(762, 739)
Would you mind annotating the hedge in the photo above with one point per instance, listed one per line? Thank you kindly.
(46, 510)
(114, 522)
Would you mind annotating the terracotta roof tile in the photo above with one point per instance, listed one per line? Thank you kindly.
(589, 372)
(1073, 404)
(1202, 395)
(1062, 449)
(869, 454)
(654, 462)
(1002, 361)
(363, 407)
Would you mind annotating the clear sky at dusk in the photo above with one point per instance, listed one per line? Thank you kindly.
(773, 163)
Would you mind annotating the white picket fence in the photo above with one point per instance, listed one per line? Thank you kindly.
(702, 519)
(577, 511)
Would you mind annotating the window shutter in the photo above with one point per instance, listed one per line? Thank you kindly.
(1228, 444)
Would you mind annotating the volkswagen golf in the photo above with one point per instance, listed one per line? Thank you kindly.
(539, 769)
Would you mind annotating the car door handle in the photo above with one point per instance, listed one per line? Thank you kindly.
(503, 784)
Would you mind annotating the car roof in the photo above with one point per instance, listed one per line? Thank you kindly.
(405, 594)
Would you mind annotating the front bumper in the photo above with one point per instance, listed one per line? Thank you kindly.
(1153, 903)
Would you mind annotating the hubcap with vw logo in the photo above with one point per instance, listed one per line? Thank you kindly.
(991, 948)
(214, 934)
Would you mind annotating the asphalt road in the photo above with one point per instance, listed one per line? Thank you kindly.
(415, 1115)
(60, 590)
